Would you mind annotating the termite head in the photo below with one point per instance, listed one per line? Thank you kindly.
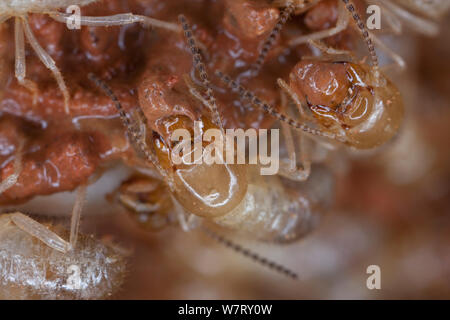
(202, 188)
(348, 99)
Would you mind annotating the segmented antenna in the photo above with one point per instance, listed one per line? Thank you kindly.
(269, 42)
(246, 94)
(133, 133)
(201, 68)
(249, 254)
(365, 33)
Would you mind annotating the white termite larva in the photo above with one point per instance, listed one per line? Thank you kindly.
(280, 211)
(31, 269)
(274, 209)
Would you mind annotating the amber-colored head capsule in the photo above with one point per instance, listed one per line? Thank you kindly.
(202, 189)
(350, 100)
(148, 202)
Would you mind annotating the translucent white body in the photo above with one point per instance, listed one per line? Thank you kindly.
(280, 211)
(16, 7)
(29, 269)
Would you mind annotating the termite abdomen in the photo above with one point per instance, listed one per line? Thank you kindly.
(278, 210)
(29, 269)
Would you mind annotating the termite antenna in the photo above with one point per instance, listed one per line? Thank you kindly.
(201, 68)
(269, 42)
(11, 180)
(108, 91)
(249, 254)
(366, 35)
(248, 95)
(133, 130)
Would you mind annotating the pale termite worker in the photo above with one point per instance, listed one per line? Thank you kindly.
(36, 263)
(274, 210)
(19, 10)
(150, 205)
(201, 188)
(263, 208)
(217, 193)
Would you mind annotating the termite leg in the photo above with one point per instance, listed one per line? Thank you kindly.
(116, 20)
(201, 68)
(329, 50)
(48, 61)
(269, 42)
(393, 21)
(11, 180)
(76, 215)
(290, 146)
(250, 96)
(197, 95)
(290, 170)
(40, 231)
(193, 91)
(395, 57)
(341, 24)
(20, 67)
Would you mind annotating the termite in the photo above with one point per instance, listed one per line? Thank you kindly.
(268, 210)
(273, 211)
(205, 189)
(278, 210)
(149, 204)
(19, 10)
(218, 193)
(204, 193)
(349, 102)
(37, 263)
